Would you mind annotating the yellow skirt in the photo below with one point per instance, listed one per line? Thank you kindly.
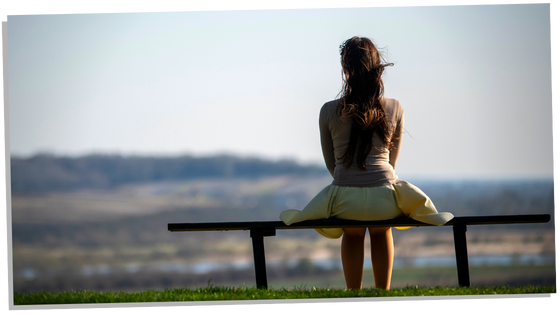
(401, 199)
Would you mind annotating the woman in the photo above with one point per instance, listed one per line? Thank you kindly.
(361, 137)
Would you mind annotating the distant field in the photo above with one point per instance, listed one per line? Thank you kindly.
(263, 198)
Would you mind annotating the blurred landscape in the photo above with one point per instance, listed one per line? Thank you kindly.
(99, 222)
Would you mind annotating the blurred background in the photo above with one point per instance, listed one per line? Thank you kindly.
(122, 123)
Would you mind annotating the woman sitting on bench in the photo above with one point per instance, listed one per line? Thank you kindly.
(361, 137)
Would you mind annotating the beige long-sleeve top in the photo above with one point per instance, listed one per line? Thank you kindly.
(335, 135)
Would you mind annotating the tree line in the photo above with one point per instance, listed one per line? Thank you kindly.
(46, 173)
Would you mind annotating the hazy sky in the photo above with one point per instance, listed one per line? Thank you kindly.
(475, 82)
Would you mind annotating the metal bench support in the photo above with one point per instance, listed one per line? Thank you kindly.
(257, 236)
(461, 255)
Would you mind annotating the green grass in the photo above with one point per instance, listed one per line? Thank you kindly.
(213, 293)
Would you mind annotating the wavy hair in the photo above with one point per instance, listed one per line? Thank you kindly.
(362, 98)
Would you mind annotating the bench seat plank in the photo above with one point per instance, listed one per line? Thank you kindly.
(334, 223)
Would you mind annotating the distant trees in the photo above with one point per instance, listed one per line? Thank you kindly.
(43, 173)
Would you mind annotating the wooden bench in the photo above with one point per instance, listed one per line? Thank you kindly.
(260, 229)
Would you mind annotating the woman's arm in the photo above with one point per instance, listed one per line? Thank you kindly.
(326, 143)
(397, 141)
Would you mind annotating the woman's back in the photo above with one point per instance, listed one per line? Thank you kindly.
(335, 136)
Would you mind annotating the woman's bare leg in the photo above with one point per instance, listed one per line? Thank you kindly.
(382, 252)
(352, 251)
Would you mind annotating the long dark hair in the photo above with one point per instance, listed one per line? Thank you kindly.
(362, 98)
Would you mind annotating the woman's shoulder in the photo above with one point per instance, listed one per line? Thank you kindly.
(329, 108)
(330, 105)
(393, 105)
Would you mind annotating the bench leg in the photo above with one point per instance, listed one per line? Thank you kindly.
(257, 236)
(461, 255)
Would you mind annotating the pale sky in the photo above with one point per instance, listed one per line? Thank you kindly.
(475, 82)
